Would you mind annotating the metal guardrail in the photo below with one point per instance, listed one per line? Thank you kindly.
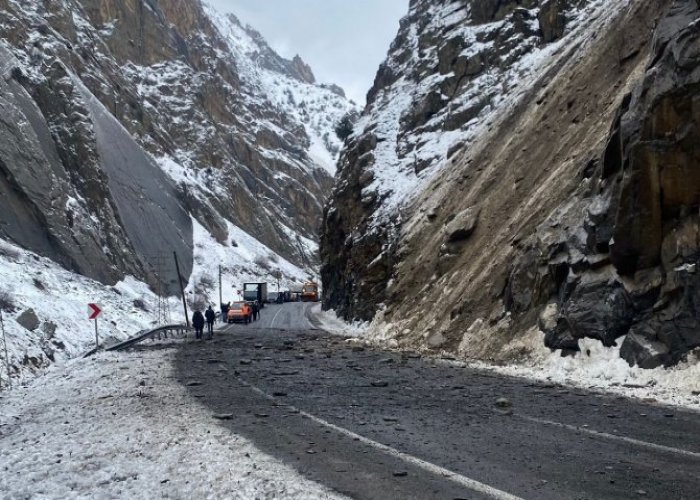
(145, 335)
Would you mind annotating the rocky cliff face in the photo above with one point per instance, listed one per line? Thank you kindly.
(570, 211)
(453, 68)
(125, 118)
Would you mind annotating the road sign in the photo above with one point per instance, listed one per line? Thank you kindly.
(94, 311)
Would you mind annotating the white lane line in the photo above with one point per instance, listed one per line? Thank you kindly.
(275, 317)
(623, 439)
(468, 483)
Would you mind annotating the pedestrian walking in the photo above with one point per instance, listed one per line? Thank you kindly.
(210, 316)
(198, 324)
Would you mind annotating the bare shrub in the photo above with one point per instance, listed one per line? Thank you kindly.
(140, 304)
(206, 281)
(7, 303)
(262, 262)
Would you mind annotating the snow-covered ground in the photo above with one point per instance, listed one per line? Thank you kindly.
(121, 426)
(59, 299)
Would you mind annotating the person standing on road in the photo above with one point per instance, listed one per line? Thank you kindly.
(198, 323)
(256, 310)
(210, 316)
(224, 312)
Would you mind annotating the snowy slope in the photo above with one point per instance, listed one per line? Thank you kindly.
(509, 56)
(314, 107)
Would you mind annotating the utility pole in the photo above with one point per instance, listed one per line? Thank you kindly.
(221, 292)
(7, 358)
(182, 290)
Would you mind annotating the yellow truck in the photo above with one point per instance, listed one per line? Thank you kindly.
(309, 292)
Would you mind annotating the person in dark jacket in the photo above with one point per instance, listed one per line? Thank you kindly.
(198, 324)
(210, 316)
(256, 310)
(224, 312)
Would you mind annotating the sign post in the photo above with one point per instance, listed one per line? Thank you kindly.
(7, 358)
(93, 312)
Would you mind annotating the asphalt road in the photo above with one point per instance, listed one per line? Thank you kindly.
(374, 424)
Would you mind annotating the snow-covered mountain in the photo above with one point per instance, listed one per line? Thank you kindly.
(524, 176)
(132, 130)
(452, 70)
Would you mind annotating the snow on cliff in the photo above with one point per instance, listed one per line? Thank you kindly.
(269, 79)
(423, 116)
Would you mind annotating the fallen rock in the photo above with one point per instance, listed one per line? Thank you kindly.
(463, 225)
(645, 352)
(503, 403)
(49, 328)
(29, 320)
(379, 383)
(223, 416)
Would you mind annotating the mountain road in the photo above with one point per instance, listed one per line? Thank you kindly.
(382, 424)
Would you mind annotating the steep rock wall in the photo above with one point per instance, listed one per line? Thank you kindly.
(454, 67)
(573, 214)
(144, 113)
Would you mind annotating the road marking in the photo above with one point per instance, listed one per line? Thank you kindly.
(636, 442)
(275, 317)
(468, 483)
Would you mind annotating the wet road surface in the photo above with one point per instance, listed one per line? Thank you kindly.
(374, 424)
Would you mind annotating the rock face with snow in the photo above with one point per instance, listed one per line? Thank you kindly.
(453, 65)
(123, 120)
(569, 201)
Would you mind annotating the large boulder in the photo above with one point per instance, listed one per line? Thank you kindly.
(29, 320)
(644, 351)
(600, 311)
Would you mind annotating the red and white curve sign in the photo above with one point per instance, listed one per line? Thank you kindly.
(94, 311)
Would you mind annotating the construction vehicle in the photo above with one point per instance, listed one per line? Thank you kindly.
(309, 292)
(255, 291)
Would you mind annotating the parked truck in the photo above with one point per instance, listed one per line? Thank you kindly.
(309, 292)
(255, 291)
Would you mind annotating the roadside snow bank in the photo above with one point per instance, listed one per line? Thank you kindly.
(331, 323)
(120, 426)
(600, 368)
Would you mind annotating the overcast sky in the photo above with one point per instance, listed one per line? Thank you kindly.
(343, 41)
